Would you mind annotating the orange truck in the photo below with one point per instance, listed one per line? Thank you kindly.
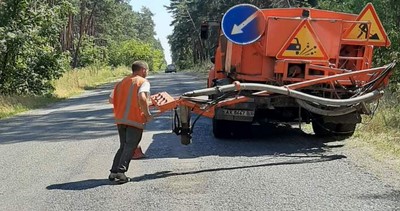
(284, 66)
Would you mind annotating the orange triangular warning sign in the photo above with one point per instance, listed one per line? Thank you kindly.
(359, 31)
(303, 44)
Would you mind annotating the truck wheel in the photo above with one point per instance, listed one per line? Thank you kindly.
(346, 129)
(333, 129)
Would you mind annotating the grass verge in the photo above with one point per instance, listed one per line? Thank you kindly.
(201, 69)
(376, 142)
(76, 81)
(11, 105)
(381, 132)
(71, 83)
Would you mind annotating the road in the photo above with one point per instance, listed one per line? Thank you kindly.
(58, 158)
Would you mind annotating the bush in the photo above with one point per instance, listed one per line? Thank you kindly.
(90, 53)
(126, 52)
(28, 48)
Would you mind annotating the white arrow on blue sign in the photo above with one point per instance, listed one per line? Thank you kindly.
(243, 24)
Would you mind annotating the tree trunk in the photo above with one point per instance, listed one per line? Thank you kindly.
(81, 33)
(84, 27)
(90, 20)
(69, 35)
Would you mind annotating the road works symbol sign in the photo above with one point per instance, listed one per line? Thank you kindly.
(243, 24)
(303, 44)
(359, 31)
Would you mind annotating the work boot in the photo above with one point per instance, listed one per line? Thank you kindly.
(122, 178)
(112, 176)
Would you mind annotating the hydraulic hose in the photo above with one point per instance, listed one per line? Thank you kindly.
(202, 92)
(324, 112)
(288, 92)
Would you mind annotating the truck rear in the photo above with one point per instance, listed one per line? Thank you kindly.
(295, 65)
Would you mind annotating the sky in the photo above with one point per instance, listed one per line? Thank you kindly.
(161, 18)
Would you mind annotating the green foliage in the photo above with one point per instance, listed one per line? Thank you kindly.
(72, 82)
(145, 25)
(111, 29)
(40, 40)
(11, 105)
(186, 46)
(75, 81)
(90, 53)
(124, 53)
(29, 58)
(389, 13)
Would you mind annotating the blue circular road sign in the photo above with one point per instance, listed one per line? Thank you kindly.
(243, 24)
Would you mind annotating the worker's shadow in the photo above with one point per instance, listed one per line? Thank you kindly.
(81, 185)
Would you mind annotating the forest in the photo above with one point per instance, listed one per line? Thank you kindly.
(42, 39)
(188, 49)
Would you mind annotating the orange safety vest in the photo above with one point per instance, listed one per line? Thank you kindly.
(126, 102)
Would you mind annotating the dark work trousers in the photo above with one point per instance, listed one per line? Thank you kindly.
(129, 138)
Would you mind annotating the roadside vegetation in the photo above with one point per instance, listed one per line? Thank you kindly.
(53, 49)
(382, 130)
(77, 80)
(73, 82)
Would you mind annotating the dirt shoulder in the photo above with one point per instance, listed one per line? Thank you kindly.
(382, 164)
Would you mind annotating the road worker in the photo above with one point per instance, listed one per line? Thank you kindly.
(131, 112)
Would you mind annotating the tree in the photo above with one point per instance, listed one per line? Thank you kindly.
(40, 39)
(186, 45)
(145, 25)
(30, 55)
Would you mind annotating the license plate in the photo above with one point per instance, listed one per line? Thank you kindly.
(238, 112)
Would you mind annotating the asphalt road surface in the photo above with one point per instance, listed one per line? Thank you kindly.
(58, 158)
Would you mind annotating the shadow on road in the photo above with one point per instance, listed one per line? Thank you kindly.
(261, 141)
(81, 185)
(86, 117)
(165, 174)
(393, 195)
(94, 183)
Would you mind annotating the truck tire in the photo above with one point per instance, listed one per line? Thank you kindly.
(325, 129)
(346, 129)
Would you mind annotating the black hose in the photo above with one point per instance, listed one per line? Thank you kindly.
(212, 103)
(374, 83)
